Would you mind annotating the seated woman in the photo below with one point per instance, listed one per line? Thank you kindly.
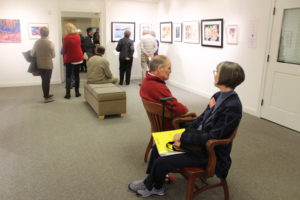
(218, 121)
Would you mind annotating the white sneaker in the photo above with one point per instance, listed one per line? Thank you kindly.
(147, 193)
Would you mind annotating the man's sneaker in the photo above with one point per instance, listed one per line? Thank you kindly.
(137, 185)
(147, 193)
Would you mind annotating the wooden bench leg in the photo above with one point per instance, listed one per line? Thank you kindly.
(101, 117)
(123, 114)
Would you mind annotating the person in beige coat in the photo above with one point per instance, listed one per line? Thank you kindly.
(98, 69)
(43, 50)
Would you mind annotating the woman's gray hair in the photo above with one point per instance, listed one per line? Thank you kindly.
(231, 74)
(158, 61)
(44, 31)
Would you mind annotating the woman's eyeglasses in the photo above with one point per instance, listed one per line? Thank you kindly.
(215, 72)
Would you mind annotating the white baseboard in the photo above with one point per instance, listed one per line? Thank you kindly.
(25, 84)
(246, 109)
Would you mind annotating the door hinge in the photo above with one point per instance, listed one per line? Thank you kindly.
(274, 10)
(268, 58)
(262, 102)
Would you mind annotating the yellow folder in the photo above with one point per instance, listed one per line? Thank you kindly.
(162, 138)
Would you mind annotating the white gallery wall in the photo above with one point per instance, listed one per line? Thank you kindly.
(193, 65)
(13, 69)
(128, 11)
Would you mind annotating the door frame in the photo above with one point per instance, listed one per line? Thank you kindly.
(266, 63)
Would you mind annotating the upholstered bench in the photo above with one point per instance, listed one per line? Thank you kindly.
(105, 99)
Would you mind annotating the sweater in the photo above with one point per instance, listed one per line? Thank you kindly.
(98, 70)
(72, 49)
(153, 88)
(43, 50)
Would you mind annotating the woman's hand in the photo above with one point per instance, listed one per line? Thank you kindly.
(176, 139)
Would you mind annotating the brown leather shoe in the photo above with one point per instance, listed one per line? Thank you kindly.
(48, 100)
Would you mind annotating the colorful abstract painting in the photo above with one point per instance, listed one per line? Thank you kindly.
(34, 30)
(212, 33)
(10, 31)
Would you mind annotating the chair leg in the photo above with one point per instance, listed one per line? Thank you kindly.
(190, 188)
(225, 188)
(149, 147)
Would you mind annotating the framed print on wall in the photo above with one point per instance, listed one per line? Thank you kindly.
(232, 34)
(34, 30)
(177, 32)
(212, 33)
(145, 27)
(166, 32)
(118, 29)
(191, 32)
(10, 31)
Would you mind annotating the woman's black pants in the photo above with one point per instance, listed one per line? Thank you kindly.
(159, 167)
(69, 68)
(46, 76)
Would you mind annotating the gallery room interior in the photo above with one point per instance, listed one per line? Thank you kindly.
(62, 150)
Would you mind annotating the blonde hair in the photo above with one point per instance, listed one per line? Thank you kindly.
(70, 29)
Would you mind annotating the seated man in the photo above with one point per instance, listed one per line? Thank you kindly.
(98, 69)
(154, 87)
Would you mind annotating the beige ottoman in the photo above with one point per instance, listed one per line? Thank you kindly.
(105, 99)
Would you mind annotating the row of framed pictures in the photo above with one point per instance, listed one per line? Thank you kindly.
(189, 32)
(10, 30)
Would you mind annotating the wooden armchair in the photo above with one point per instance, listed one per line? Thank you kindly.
(192, 173)
(154, 112)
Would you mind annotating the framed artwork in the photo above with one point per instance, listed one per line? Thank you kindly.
(177, 32)
(191, 32)
(232, 34)
(118, 29)
(34, 30)
(166, 32)
(10, 31)
(145, 27)
(212, 33)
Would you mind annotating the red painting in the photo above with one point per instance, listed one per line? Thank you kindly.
(10, 31)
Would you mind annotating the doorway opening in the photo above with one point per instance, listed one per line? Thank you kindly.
(82, 21)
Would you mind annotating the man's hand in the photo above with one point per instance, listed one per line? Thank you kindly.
(127, 58)
(176, 139)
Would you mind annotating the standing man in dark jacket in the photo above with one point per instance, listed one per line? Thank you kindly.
(89, 43)
(126, 49)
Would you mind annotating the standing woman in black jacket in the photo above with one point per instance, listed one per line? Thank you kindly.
(126, 49)
(218, 121)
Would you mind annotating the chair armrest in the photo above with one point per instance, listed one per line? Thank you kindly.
(191, 114)
(210, 147)
(176, 121)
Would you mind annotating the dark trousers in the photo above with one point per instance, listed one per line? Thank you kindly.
(69, 68)
(159, 167)
(125, 69)
(83, 67)
(46, 76)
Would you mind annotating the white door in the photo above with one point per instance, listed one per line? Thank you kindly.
(282, 90)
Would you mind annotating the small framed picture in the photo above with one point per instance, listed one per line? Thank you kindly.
(232, 34)
(34, 30)
(144, 28)
(166, 32)
(212, 33)
(118, 29)
(191, 32)
(177, 32)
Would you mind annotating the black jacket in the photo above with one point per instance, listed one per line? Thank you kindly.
(126, 48)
